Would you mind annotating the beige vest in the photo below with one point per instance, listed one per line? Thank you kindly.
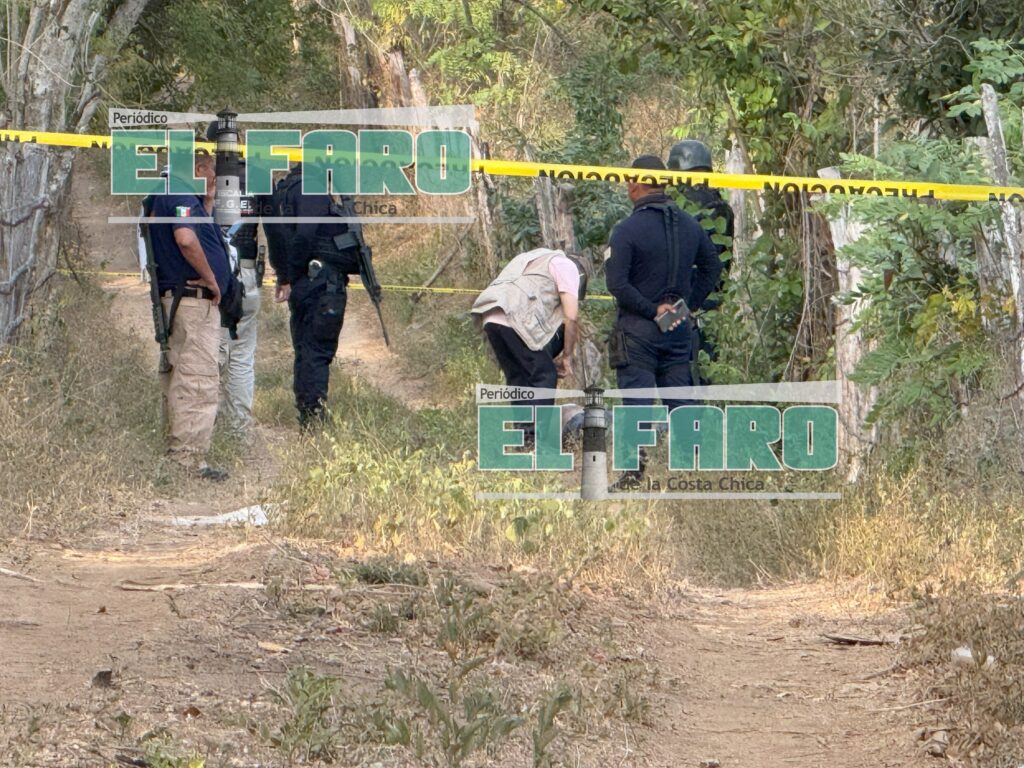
(527, 293)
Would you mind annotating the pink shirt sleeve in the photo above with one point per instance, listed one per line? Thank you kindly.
(565, 274)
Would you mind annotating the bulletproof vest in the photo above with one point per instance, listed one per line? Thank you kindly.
(286, 200)
(324, 246)
(711, 205)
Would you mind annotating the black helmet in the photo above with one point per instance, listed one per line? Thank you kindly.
(690, 155)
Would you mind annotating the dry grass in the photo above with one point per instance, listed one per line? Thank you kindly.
(385, 479)
(79, 419)
(951, 514)
(902, 535)
(391, 479)
(982, 694)
(944, 533)
(468, 668)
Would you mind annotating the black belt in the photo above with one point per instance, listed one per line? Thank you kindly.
(190, 292)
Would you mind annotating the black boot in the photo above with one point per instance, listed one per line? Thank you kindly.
(312, 419)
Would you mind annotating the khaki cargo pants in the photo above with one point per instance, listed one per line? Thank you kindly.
(191, 387)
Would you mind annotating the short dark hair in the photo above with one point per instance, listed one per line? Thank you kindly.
(649, 163)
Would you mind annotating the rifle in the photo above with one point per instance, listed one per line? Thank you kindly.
(365, 256)
(162, 332)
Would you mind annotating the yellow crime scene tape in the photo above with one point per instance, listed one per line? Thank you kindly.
(358, 286)
(926, 190)
(758, 182)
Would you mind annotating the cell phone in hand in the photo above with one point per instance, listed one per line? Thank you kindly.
(679, 311)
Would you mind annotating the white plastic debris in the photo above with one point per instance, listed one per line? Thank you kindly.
(255, 515)
(964, 655)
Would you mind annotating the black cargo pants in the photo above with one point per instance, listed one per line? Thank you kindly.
(317, 312)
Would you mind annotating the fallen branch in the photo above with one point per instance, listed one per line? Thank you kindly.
(910, 706)
(856, 640)
(883, 672)
(134, 586)
(16, 575)
(442, 265)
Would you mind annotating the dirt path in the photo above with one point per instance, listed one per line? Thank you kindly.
(746, 679)
(760, 686)
(156, 626)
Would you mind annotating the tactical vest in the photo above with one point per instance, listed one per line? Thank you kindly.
(527, 293)
(341, 256)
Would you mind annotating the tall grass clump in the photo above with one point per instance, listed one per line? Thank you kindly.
(79, 418)
(951, 511)
(386, 479)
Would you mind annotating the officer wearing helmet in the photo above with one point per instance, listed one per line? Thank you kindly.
(707, 206)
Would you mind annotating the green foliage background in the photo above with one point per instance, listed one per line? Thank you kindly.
(795, 86)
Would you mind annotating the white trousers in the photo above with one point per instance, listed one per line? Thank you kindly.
(238, 361)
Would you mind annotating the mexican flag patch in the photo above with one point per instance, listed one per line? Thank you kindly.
(182, 210)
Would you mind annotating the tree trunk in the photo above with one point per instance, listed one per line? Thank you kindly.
(399, 89)
(738, 202)
(990, 244)
(554, 210)
(51, 83)
(351, 63)
(484, 211)
(416, 89)
(743, 156)
(855, 438)
(816, 330)
(1009, 250)
(745, 230)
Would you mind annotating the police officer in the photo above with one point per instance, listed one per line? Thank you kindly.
(659, 255)
(192, 274)
(314, 284)
(709, 206)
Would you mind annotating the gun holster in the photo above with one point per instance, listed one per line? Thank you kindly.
(232, 308)
(339, 251)
(345, 240)
(618, 353)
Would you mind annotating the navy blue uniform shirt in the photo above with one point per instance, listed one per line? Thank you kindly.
(171, 266)
(276, 249)
(301, 238)
(637, 271)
